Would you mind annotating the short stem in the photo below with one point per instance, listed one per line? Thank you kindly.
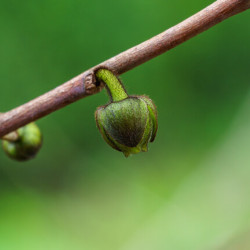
(113, 85)
(12, 136)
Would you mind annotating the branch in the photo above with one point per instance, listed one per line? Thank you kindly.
(85, 84)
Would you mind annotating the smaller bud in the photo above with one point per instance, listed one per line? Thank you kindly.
(128, 123)
(26, 146)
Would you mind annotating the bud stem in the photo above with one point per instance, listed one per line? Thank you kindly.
(11, 137)
(113, 85)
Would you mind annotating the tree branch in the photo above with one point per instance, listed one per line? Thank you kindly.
(84, 84)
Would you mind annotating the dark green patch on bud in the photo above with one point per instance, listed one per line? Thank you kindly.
(26, 146)
(128, 123)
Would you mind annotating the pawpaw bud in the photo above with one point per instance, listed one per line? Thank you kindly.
(26, 146)
(129, 124)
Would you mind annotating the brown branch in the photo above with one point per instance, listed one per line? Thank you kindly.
(84, 84)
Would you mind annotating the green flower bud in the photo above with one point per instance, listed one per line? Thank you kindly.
(26, 146)
(128, 123)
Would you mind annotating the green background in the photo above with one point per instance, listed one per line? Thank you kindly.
(190, 191)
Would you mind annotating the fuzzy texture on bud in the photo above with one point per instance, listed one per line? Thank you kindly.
(128, 123)
(26, 146)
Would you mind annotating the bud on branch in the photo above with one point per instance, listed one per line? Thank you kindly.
(85, 84)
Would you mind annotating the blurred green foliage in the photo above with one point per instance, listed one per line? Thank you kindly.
(190, 191)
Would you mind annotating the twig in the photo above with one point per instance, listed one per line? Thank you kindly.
(84, 84)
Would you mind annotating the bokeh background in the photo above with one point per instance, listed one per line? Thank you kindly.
(191, 191)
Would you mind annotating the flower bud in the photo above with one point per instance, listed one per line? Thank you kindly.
(128, 123)
(26, 146)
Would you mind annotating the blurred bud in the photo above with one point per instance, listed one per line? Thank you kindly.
(26, 146)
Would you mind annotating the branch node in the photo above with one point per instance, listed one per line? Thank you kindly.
(92, 86)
